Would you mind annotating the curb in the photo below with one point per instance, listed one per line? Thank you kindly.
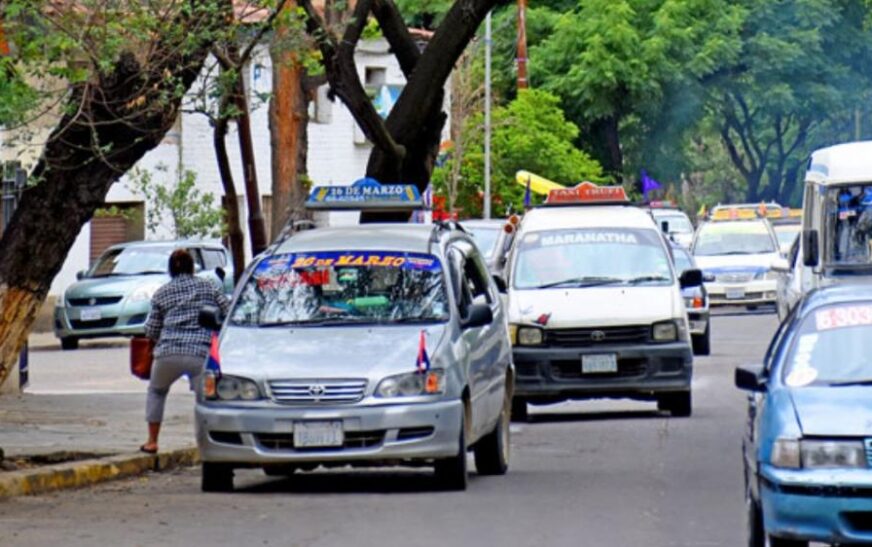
(62, 476)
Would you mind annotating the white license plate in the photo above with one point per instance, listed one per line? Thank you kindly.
(735, 293)
(318, 434)
(90, 314)
(599, 363)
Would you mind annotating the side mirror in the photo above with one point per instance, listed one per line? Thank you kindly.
(500, 283)
(210, 318)
(810, 252)
(780, 265)
(479, 316)
(219, 271)
(690, 278)
(664, 226)
(751, 378)
(81, 274)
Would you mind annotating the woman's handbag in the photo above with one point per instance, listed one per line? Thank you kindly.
(141, 356)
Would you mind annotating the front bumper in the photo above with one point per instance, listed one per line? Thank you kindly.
(698, 321)
(827, 505)
(263, 435)
(755, 292)
(644, 370)
(121, 319)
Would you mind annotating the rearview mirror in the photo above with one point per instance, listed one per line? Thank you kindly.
(780, 265)
(479, 315)
(210, 318)
(751, 378)
(690, 278)
(81, 274)
(500, 283)
(810, 253)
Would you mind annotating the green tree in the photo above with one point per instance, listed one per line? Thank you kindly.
(529, 133)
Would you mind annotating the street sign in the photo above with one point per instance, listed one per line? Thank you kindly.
(366, 193)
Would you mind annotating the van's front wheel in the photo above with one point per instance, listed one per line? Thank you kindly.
(216, 477)
(451, 473)
(492, 451)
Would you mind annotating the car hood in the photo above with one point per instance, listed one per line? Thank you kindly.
(112, 286)
(735, 263)
(325, 352)
(594, 306)
(834, 412)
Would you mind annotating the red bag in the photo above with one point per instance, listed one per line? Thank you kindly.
(141, 356)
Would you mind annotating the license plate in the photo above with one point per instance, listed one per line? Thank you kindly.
(735, 293)
(318, 434)
(90, 314)
(599, 363)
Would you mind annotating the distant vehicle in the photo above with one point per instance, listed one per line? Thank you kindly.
(486, 235)
(696, 302)
(788, 288)
(674, 222)
(739, 254)
(113, 297)
(807, 448)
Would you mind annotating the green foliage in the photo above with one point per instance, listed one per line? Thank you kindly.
(529, 133)
(191, 212)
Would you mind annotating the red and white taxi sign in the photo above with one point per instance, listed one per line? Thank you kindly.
(587, 192)
(843, 316)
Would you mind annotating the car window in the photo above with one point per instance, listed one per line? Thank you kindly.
(213, 258)
(849, 225)
(134, 260)
(682, 260)
(476, 277)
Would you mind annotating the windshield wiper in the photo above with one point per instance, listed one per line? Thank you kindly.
(646, 279)
(322, 321)
(408, 320)
(847, 383)
(581, 282)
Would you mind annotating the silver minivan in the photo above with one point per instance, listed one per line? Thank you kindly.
(364, 345)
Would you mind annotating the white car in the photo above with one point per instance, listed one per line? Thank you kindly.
(739, 254)
(675, 224)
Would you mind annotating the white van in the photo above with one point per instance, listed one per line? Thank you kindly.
(836, 241)
(595, 305)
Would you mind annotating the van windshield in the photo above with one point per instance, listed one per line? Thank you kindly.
(591, 257)
(343, 287)
(848, 215)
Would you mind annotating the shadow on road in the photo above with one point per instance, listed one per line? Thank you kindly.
(561, 417)
(349, 481)
(732, 311)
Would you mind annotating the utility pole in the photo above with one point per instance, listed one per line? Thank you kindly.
(487, 116)
(522, 44)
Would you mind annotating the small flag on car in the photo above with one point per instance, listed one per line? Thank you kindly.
(213, 361)
(423, 362)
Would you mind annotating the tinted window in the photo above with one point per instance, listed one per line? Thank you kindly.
(132, 261)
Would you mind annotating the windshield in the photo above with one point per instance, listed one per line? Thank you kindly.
(786, 234)
(485, 238)
(734, 238)
(682, 259)
(849, 221)
(589, 257)
(132, 261)
(343, 287)
(677, 223)
(834, 345)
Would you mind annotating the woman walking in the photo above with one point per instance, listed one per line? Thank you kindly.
(181, 344)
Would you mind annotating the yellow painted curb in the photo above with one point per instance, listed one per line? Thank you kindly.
(87, 472)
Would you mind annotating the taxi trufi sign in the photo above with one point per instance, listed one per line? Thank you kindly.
(587, 192)
(366, 193)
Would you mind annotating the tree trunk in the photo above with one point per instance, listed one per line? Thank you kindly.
(256, 221)
(231, 199)
(605, 144)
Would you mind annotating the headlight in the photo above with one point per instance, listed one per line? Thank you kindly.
(229, 388)
(785, 453)
(529, 336)
(667, 331)
(412, 384)
(829, 454)
(143, 293)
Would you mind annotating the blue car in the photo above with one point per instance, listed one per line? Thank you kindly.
(808, 444)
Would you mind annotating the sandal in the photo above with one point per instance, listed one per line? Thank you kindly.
(148, 450)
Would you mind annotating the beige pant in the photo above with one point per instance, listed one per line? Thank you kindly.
(164, 372)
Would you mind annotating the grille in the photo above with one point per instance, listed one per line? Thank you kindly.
(869, 452)
(571, 369)
(317, 391)
(95, 301)
(597, 336)
(734, 278)
(353, 439)
(98, 324)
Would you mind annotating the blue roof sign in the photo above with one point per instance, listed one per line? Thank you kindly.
(366, 193)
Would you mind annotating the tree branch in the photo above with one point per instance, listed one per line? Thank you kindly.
(397, 34)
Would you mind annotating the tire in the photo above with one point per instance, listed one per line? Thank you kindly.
(216, 477)
(519, 410)
(780, 542)
(69, 343)
(679, 405)
(754, 522)
(492, 451)
(702, 344)
(451, 473)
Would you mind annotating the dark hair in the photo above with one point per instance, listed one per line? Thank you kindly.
(181, 262)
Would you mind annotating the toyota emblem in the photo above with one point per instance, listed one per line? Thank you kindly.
(316, 390)
(597, 336)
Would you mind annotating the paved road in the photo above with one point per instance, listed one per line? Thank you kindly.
(597, 474)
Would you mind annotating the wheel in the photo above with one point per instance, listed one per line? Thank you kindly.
(492, 451)
(679, 405)
(754, 522)
(451, 473)
(216, 477)
(519, 410)
(69, 343)
(702, 344)
(781, 542)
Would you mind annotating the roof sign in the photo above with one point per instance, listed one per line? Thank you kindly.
(663, 204)
(587, 193)
(366, 193)
(734, 214)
